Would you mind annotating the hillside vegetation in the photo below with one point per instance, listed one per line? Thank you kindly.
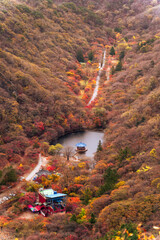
(39, 97)
(44, 92)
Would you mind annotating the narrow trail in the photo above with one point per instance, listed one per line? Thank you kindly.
(101, 67)
(108, 73)
(108, 69)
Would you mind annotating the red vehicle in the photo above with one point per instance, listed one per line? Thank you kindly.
(35, 209)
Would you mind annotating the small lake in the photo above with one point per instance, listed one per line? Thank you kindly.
(91, 138)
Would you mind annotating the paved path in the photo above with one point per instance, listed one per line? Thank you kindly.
(108, 73)
(101, 67)
(41, 162)
(35, 170)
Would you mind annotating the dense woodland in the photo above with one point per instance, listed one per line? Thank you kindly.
(49, 56)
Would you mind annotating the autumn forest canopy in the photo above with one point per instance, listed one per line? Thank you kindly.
(50, 55)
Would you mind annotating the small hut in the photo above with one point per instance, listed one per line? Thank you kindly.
(81, 147)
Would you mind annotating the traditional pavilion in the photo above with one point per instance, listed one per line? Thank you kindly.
(81, 147)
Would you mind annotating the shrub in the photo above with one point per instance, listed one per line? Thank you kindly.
(52, 150)
(111, 216)
(79, 56)
(9, 175)
(119, 184)
(120, 193)
(73, 218)
(28, 198)
(118, 29)
(123, 154)
(50, 3)
(37, 14)
(23, 8)
(127, 231)
(155, 182)
(91, 55)
(93, 18)
(92, 219)
(33, 187)
(98, 204)
(1, 28)
(71, 6)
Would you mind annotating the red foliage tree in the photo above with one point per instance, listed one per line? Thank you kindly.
(28, 198)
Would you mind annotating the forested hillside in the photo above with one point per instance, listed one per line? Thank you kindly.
(49, 55)
(39, 46)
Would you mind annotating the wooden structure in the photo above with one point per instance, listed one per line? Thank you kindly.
(81, 147)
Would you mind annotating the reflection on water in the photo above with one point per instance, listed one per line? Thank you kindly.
(91, 138)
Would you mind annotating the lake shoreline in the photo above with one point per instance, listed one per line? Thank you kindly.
(55, 141)
(90, 137)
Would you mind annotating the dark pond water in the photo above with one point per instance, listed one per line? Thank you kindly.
(91, 138)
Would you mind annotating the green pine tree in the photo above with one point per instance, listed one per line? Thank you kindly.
(118, 29)
(99, 148)
(90, 56)
(110, 178)
(112, 51)
(112, 70)
(92, 219)
(121, 55)
(12, 175)
(80, 57)
(119, 66)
